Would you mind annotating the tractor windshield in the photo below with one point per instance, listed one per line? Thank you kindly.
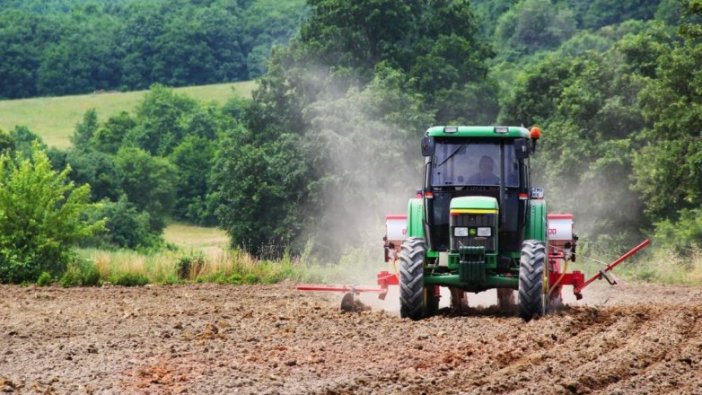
(476, 163)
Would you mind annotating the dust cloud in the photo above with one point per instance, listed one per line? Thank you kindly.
(375, 167)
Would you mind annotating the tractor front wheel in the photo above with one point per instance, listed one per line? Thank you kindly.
(416, 300)
(533, 280)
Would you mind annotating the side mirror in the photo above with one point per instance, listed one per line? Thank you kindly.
(428, 146)
(521, 148)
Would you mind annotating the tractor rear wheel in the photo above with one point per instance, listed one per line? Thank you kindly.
(416, 300)
(533, 280)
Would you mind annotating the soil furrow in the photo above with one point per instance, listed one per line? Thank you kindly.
(273, 339)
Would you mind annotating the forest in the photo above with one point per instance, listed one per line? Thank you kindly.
(330, 140)
(60, 47)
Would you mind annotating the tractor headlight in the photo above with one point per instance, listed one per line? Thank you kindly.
(460, 231)
(484, 231)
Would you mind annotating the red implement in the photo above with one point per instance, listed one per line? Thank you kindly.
(557, 279)
(385, 279)
(603, 272)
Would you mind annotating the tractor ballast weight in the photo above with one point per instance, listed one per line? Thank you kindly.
(478, 224)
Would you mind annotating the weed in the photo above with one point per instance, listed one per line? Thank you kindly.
(80, 272)
(189, 266)
(45, 279)
(129, 279)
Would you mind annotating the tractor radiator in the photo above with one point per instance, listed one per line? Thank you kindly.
(473, 222)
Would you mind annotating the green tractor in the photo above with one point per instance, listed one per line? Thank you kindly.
(477, 224)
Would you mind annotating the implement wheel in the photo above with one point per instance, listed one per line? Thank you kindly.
(416, 300)
(533, 280)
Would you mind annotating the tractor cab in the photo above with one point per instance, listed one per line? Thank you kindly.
(476, 187)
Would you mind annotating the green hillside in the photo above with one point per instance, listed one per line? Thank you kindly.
(55, 118)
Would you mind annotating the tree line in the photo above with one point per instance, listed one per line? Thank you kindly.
(60, 47)
(613, 87)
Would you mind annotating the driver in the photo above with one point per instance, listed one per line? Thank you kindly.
(485, 175)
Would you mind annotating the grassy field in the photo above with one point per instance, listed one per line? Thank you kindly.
(211, 242)
(55, 118)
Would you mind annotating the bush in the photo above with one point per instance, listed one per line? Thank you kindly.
(189, 266)
(235, 279)
(45, 279)
(127, 227)
(41, 218)
(682, 236)
(129, 279)
(80, 273)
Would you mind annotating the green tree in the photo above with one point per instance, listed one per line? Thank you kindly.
(85, 129)
(598, 13)
(111, 135)
(159, 120)
(258, 192)
(97, 169)
(24, 141)
(668, 167)
(588, 109)
(7, 144)
(149, 182)
(40, 218)
(193, 158)
(533, 25)
(126, 226)
(347, 77)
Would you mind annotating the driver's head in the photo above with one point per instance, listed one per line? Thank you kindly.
(486, 165)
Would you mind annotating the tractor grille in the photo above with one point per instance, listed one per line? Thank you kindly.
(474, 221)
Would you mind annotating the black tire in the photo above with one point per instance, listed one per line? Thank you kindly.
(416, 300)
(431, 300)
(532, 275)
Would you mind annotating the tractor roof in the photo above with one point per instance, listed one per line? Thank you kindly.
(478, 131)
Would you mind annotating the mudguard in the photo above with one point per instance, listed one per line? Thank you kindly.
(415, 216)
(536, 221)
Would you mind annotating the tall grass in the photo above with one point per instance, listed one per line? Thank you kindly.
(664, 266)
(653, 264)
(166, 267)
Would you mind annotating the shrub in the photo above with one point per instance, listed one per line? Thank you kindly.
(189, 266)
(80, 273)
(251, 278)
(129, 279)
(45, 279)
(681, 236)
(126, 226)
(235, 279)
(40, 218)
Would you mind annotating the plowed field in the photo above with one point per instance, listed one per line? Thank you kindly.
(635, 339)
